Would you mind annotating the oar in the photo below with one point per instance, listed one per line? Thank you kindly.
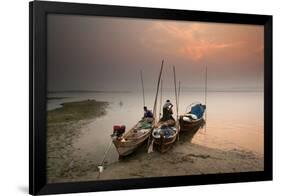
(150, 148)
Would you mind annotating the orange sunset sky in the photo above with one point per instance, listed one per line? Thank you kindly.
(88, 52)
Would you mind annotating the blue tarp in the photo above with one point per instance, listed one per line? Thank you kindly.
(198, 110)
(167, 131)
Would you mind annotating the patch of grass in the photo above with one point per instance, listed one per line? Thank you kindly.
(75, 111)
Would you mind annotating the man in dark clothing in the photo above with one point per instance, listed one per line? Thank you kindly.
(147, 113)
(167, 111)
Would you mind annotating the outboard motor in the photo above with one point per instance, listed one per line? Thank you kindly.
(118, 130)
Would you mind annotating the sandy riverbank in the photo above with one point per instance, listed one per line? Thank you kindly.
(185, 158)
(63, 128)
(182, 159)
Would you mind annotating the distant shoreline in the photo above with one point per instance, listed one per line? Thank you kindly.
(86, 91)
(55, 98)
(168, 90)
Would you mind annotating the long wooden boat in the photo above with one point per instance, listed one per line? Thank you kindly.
(134, 138)
(187, 125)
(188, 134)
(161, 141)
(188, 121)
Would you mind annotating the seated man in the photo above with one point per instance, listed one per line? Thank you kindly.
(147, 113)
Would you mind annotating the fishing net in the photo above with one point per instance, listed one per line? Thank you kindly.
(166, 131)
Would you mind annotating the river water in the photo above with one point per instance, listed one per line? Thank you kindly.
(234, 119)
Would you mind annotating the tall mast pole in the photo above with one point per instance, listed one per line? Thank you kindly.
(179, 88)
(176, 94)
(161, 92)
(143, 97)
(158, 83)
(206, 79)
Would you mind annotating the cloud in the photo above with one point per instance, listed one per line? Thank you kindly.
(200, 41)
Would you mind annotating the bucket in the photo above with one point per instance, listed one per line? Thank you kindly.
(100, 167)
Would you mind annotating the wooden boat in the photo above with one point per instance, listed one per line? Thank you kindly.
(165, 132)
(187, 125)
(137, 136)
(188, 121)
(161, 141)
(188, 134)
(134, 138)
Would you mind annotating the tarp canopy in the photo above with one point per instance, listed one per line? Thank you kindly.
(198, 110)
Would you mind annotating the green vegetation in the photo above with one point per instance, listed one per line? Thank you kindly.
(75, 111)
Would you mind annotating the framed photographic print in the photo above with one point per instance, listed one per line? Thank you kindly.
(131, 97)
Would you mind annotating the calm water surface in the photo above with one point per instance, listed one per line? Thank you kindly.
(234, 119)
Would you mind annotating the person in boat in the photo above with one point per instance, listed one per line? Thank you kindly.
(147, 113)
(198, 110)
(167, 111)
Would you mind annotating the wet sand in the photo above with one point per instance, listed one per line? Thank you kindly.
(185, 158)
(63, 128)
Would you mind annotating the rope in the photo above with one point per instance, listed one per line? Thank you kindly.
(108, 148)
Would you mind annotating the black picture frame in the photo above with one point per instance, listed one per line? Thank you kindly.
(38, 11)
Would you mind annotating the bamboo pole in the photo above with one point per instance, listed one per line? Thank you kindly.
(149, 141)
(155, 101)
(143, 97)
(179, 88)
(206, 78)
(177, 106)
(176, 94)
(161, 92)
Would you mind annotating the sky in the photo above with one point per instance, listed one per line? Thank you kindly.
(108, 53)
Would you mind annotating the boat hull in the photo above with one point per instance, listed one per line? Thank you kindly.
(163, 144)
(186, 126)
(125, 148)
